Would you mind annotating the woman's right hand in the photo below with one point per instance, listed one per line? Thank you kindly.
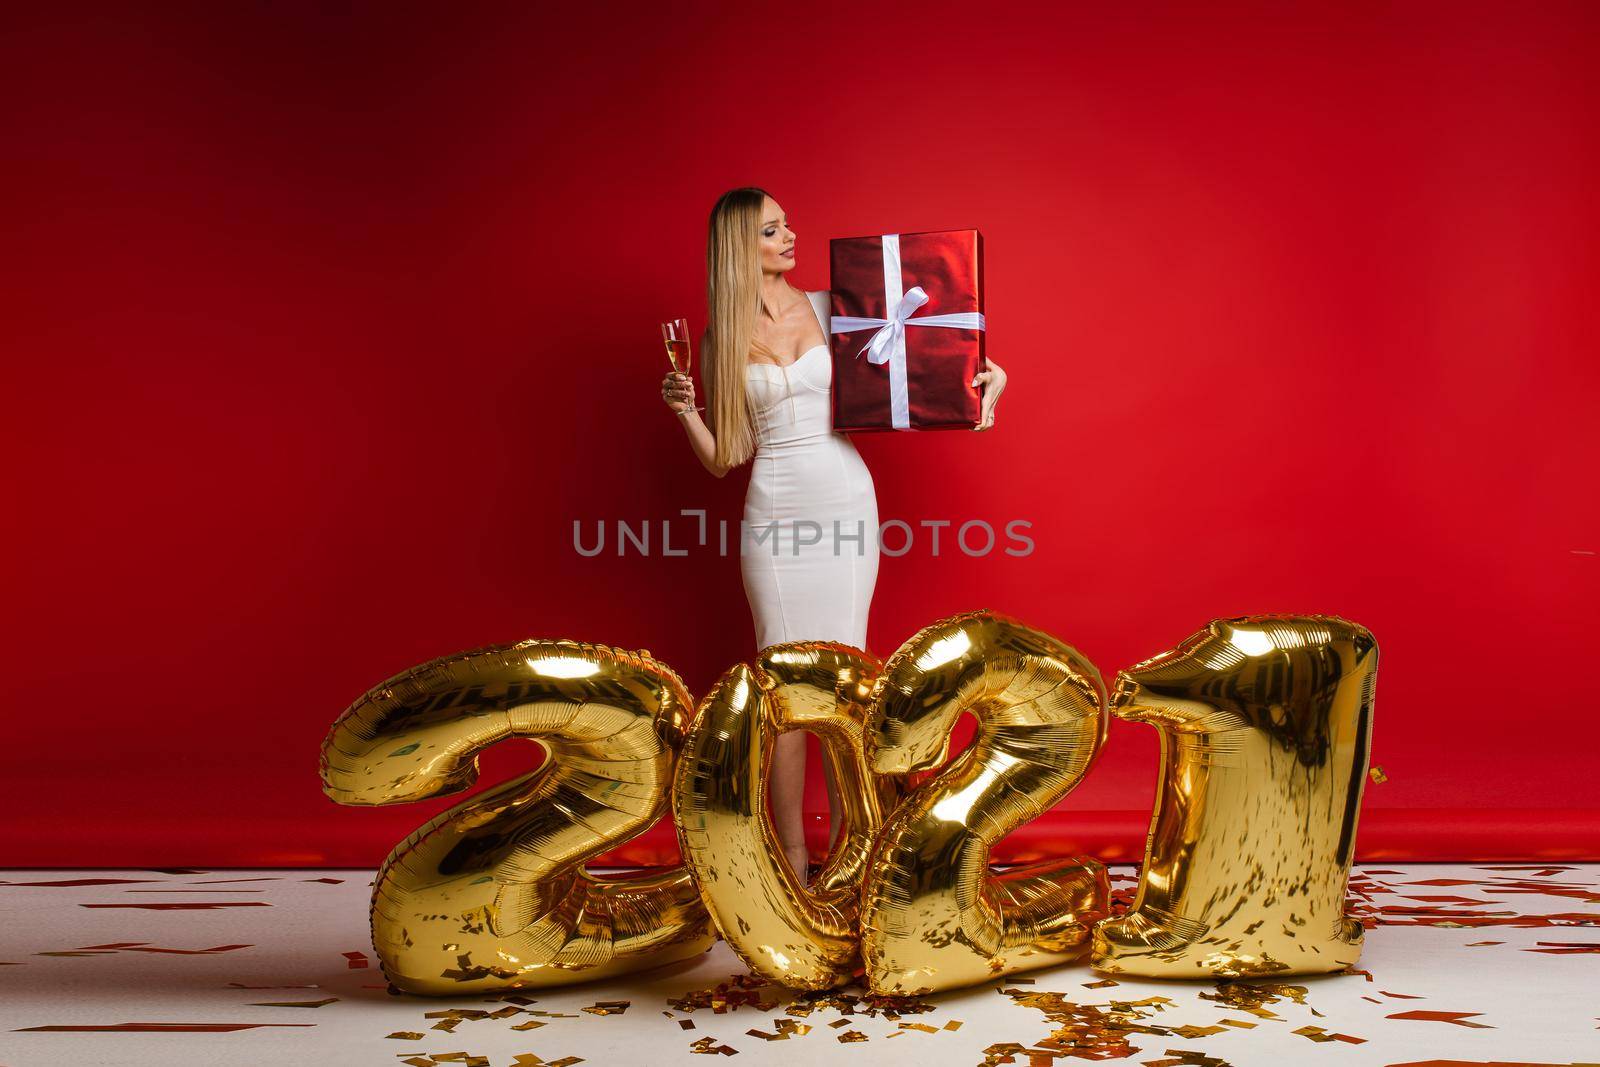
(677, 389)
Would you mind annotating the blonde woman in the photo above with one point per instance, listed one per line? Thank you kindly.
(809, 546)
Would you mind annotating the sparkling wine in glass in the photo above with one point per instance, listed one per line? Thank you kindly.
(680, 352)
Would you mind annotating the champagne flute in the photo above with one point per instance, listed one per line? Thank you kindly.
(679, 351)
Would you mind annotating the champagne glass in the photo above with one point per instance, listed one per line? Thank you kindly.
(680, 352)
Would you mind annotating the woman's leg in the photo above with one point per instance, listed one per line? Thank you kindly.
(788, 789)
(833, 806)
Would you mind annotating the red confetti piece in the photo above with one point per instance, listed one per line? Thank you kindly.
(67, 883)
(113, 945)
(1459, 1018)
(1564, 947)
(186, 906)
(156, 1028)
(140, 946)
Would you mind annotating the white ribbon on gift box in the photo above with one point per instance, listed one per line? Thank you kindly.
(888, 344)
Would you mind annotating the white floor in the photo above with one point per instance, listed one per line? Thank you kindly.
(1511, 953)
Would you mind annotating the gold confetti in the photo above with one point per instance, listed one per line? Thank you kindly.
(850, 1037)
(707, 1046)
(1377, 775)
(1253, 997)
(608, 1007)
(738, 991)
(766, 1036)
(531, 1024)
(1177, 1057)
(1084, 1031)
(405, 1035)
(295, 1003)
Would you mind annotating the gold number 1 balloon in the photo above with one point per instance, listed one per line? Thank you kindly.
(492, 894)
(932, 915)
(784, 930)
(1265, 726)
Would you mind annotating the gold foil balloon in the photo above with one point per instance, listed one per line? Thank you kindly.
(1265, 726)
(492, 894)
(783, 930)
(933, 916)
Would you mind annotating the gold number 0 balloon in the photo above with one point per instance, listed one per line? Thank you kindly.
(492, 894)
(1266, 725)
(932, 915)
(784, 931)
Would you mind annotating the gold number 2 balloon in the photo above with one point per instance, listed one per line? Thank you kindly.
(1265, 725)
(932, 915)
(492, 894)
(784, 931)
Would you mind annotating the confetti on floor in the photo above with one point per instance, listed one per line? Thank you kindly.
(1428, 979)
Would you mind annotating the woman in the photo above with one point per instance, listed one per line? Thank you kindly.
(809, 547)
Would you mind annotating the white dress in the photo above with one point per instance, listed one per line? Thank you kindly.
(804, 580)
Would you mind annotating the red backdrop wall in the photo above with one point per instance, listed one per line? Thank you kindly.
(322, 328)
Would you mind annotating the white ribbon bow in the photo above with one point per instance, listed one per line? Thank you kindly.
(888, 343)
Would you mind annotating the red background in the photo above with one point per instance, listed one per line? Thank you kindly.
(321, 328)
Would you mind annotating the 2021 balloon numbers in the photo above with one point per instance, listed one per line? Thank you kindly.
(1265, 724)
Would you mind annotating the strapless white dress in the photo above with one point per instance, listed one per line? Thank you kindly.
(804, 580)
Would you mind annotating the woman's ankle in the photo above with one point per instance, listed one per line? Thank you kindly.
(798, 863)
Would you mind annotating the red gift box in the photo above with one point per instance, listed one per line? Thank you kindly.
(907, 330)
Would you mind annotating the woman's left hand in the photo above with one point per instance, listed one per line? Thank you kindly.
(993, 382)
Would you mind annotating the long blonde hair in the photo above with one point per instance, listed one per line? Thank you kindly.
(733, 300)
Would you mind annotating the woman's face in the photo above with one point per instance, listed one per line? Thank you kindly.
(777, 239)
